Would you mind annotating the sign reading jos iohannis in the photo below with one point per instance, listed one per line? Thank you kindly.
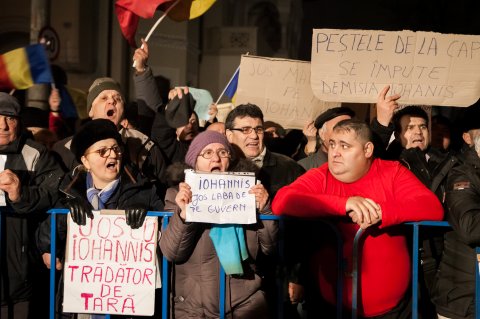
(109, 267)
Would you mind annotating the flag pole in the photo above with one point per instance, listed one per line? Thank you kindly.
(149, 34)
(223, 92)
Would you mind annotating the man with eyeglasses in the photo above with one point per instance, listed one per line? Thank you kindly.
(245, 131)
(29, 179)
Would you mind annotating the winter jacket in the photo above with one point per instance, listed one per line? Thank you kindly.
(39, 176)
(195, 273)
(145, 158)
(454, 289)
(165, 136)
(129, 194)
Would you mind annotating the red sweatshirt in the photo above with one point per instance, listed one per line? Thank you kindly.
(385, 262)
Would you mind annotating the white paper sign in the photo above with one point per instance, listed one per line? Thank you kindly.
(110, 268)
(221, 198)
(425, 68)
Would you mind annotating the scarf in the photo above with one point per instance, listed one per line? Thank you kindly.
(229, 243)
(98, 197)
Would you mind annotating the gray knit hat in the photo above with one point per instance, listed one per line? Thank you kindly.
(9, 105)
(202, 140)
(99, 85)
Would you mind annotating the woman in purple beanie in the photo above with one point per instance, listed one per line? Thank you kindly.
(197, 251)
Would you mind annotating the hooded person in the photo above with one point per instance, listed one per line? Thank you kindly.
(198, 249)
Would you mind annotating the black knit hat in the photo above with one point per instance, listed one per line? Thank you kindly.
(331, 114)
(92, 132)
(178, 111)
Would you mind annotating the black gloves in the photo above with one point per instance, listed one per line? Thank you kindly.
(135, 217)
(79, 210)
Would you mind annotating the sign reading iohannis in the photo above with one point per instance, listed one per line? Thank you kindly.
(109, 267)
(221, 198)
(424, 67)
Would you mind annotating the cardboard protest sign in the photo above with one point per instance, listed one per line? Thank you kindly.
(221, 198)
(425, 68)
(281, 88)
(109, 267)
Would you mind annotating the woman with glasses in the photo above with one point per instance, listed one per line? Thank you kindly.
(102, 182)
(194, 248)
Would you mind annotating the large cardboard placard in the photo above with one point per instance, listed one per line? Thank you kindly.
(109, 267)
(281, 88)
(221, 198)
(426, 68)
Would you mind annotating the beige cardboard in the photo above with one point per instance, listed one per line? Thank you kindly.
(281, 88)
(426, 68)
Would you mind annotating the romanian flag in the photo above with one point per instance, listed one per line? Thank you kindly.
(231, 89)
(129, 11)
(188, 9)
(24, 67)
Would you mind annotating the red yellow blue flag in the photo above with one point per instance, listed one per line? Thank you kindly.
(231, 89)
(22, 68)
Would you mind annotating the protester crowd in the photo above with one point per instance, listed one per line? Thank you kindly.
(376, 174)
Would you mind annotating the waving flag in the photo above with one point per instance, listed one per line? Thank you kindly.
(231, 89)
(24, 67)
(129, 12)
(188, 9)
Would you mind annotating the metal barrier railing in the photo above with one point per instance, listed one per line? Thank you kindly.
(340, 263)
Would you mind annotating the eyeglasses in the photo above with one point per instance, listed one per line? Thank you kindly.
(106, 151)
(208, 154)
(248, 129)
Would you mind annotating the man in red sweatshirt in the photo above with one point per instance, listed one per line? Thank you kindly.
(361, 191)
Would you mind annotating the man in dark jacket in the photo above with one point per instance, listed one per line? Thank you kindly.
(245, 131)
(454, 286)
(29, 179)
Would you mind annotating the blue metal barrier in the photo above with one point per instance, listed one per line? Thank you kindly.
(340, 263)
(415, 261)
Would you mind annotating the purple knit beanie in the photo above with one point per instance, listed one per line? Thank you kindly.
(202, 140)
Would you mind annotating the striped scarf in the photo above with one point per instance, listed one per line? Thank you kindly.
(98, 197)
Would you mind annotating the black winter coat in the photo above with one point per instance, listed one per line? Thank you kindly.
(39, 176)
(454, 290)
(129, 194)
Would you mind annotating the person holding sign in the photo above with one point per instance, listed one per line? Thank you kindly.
(362, 192)
(195, 248)
(102, 182)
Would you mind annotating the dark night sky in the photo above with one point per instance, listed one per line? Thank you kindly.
(444, 16)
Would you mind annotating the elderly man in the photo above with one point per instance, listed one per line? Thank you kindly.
(369, 193)
(29, 179)
(105, 100)
(323, 126)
